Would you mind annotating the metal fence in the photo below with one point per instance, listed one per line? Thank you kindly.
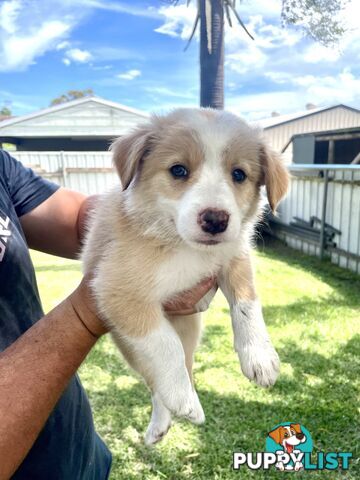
(86, 172)
(321, 214)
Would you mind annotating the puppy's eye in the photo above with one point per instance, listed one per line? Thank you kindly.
(286, 434)
(238, 175)
(179, 171)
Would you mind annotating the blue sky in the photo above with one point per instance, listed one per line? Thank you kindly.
(132, 52)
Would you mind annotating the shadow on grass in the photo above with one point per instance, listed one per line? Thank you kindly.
(327, 408)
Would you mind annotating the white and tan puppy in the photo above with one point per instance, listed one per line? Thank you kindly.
(186, 210)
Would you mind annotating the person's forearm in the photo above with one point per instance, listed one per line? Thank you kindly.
(34, 371)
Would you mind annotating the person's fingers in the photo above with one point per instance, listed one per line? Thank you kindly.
(185, 303)
(190, 298)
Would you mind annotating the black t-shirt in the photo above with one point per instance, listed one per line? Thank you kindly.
(68, 448)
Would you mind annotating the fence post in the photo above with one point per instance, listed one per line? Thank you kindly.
(323, 214)
(330, 161)
(63, 168)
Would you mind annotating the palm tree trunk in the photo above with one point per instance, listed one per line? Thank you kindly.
(212, 55)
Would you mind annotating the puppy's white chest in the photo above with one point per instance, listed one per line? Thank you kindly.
(183, 270)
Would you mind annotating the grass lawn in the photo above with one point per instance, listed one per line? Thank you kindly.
(312, 312)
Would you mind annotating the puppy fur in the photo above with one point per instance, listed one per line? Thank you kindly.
(145, 245)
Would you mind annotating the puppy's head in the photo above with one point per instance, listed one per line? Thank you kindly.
(288, 436)
(196, 174)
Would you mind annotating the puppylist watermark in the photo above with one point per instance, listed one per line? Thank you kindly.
(289, 448)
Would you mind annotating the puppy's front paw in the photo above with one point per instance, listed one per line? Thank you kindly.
(260, 363)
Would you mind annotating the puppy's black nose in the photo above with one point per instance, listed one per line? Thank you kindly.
(300, 436)
(213, 221)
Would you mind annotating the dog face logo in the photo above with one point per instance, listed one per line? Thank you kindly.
(288, 437)
(289, 441)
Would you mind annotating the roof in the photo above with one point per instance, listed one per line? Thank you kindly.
(281, 119)
(87, 116)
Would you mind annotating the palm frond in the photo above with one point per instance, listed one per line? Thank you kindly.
(233, 9)
(193, 30)
(228, 5)
(227, 13)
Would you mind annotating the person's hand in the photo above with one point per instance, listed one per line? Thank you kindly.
(188, 302)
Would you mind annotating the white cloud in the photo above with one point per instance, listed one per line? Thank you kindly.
(17, 52)
(101, 67)
(178, 20)
(77, 55)
(27, 33)
(66, 61)
(267, 8)
(129, 75)
(279, 77)
(9, 11)
(63, 45)
(246, 59)
(260, 105)
(160, 91)
(120, 7)
(341, 88)
(106, 54)
(318, 53)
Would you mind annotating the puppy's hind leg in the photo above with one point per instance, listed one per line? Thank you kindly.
(188, 327)
(160, 422)
(155, 351)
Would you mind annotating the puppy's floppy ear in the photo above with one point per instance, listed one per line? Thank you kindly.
(277, 434)
(296, 427)
(129, 152)
(275, 176)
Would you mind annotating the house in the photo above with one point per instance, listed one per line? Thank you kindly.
(281, 130)
(85, 124)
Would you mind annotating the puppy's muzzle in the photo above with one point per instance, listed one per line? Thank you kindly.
(213, 221)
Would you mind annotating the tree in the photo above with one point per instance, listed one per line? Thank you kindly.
(72, 95)
(5, 112)
(319, 19)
